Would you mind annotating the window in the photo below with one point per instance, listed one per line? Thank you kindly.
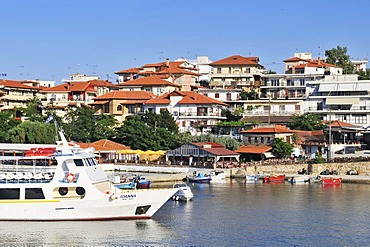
(268, 140)
(217, 95)
(342, 118)
(282, 108)
(131, 109)
(218, 70)
(78, 162)
(275, 82)
(297, 107)
(301, 82)
(119, 108)
(9, 193)
(289, 82)
(360, 119)
(249, 139)
(229, 70)
(34, 193)
(255, 140)
(262, 139)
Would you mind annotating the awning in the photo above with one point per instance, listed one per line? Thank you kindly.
(99, 102)
(342, 101)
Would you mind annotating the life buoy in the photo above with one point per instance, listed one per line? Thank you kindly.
(70, 177)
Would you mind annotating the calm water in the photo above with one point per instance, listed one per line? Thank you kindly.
(229, 213)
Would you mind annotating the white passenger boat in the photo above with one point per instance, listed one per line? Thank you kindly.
(67, 184)
(184, 192)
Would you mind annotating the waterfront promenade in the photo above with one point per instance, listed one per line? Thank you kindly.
(159, 174)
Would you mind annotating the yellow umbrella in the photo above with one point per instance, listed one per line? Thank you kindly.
(126, 151)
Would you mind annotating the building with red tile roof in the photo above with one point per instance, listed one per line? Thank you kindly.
(266, 135)
(202, 154)
(121, 103)
(80, 93)
(236, 72)
(18, 93)
(180, 73)
(254, 153)
(153, 84)
(193, 112)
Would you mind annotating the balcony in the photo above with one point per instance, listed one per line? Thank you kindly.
(272, 113)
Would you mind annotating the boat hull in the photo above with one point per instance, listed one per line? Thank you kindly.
(331, 181)
(138, 204)
(274, 179)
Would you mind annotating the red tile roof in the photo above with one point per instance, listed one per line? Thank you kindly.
(188, 97)
(253, 149)
(221, 151)
(237, 60)
(111, 145)
(276, 129)
(315, 64)
(95, 146)
(16, 84)
(126, 95)
(337, 123)
(128, 71)
(212, 144)
(295, 59)
(148, 81)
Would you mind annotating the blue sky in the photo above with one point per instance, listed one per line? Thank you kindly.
(49, 40)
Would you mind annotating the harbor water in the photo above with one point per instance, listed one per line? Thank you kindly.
(225, 213)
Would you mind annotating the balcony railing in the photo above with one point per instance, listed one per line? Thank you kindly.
(194, 114)
(272, 113)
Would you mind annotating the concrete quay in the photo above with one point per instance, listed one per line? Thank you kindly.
(159, 174)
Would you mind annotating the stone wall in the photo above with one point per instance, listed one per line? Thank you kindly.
(362, 167)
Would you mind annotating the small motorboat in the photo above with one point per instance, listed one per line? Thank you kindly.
(136, 182)
(316, 179)
(199, 178)
(274, 178)
(252, 178)
(299, 179)
(183, 194)
(217, 175)
(331, 181)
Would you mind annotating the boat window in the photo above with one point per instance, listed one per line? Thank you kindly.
(9, 193)
(91, 162)
(34, 193)
(78, 162)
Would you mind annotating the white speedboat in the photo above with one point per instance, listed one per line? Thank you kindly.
(67, 184)
(217, 175)
(253, 178)
(300, 179)
(184, 192)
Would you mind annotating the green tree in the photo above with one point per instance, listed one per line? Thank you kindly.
(81, 124)
(281, 149)
(163, 120)
(307, 121)
(8, 122)
(364, 75)
(32, 132)
(338, 56)
(137, 134)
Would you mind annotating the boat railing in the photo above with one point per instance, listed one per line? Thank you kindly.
(26, 177)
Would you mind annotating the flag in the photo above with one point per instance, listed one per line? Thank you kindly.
(49, 119)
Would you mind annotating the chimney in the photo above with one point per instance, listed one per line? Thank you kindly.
(168, 62)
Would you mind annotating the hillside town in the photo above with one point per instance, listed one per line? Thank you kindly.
(197, 92)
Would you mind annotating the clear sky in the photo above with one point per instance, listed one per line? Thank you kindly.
(49, 40)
